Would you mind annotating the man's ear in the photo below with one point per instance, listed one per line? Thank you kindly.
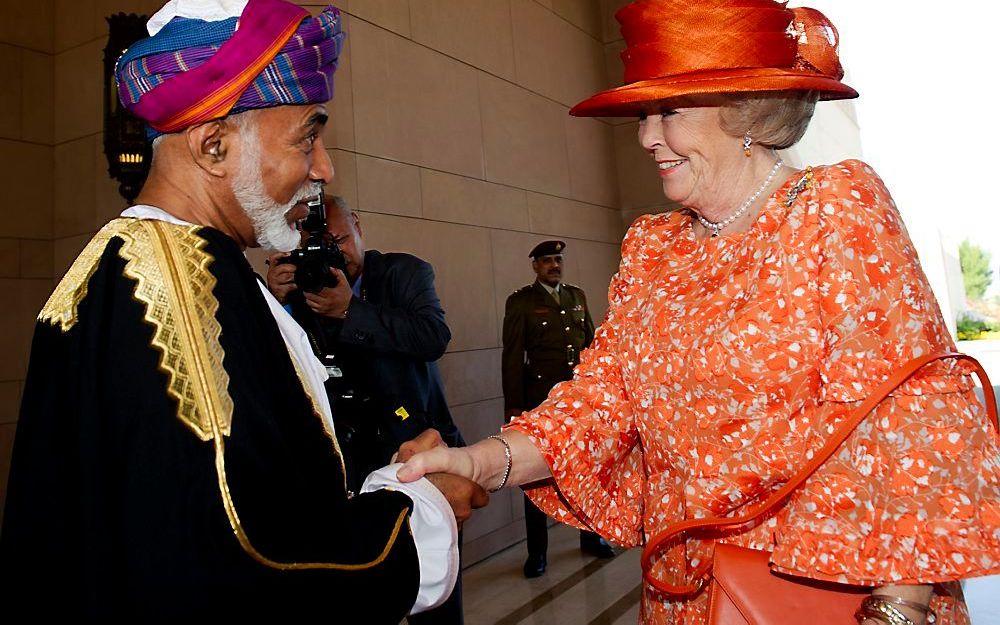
(357, 223)
(208, 145)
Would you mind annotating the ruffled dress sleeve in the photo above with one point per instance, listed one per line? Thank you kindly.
(914, 495)
(586, 429)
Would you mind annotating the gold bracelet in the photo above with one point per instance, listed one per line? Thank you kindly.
(930, 616)
(510, 462)
(881, 610)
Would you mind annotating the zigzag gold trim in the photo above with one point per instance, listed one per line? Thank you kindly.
(63, 305)
(170, 267)
(173, 282)
(241, 535)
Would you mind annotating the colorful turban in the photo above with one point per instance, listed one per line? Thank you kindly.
(195, 70)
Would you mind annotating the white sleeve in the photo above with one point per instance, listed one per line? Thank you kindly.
(435, 535)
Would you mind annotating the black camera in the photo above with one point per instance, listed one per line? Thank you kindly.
(318, 254)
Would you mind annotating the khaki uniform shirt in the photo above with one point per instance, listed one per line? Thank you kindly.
(542, 340)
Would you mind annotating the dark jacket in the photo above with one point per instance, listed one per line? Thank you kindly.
(386, 347)
(542, 340)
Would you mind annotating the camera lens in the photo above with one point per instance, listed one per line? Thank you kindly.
(313, 273)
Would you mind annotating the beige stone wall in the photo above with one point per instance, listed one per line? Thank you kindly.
(453, 140)
(26, 179)
(449, 134)
(56, 192)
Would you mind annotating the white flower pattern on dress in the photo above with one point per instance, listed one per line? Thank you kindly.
(723, 363)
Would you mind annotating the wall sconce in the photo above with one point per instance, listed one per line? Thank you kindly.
(125, 144)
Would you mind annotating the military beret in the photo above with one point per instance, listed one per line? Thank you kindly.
(547, 248)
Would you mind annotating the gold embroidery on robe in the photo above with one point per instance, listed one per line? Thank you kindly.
(170, 268)
(61, 307)
(173, 282)
(241, 535)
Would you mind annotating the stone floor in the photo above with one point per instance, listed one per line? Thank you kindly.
(576, 588)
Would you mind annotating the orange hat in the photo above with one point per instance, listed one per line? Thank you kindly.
(683, 48)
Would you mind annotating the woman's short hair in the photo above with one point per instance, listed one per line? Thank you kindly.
(776, 121)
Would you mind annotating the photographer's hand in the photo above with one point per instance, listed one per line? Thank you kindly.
(280, 276)
(332, 301)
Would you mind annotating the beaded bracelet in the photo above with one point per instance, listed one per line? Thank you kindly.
(510, 461)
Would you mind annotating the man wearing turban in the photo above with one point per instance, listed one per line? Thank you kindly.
(175, 453)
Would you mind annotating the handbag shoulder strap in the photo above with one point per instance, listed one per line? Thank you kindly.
(778, 497)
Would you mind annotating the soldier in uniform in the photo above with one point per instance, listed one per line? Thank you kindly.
(545, 326)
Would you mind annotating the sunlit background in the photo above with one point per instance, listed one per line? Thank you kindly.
(929, 126)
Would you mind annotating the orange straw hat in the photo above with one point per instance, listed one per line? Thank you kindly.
(682, 48)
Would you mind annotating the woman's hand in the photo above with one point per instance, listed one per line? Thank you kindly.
(456, 461)
(485, 462)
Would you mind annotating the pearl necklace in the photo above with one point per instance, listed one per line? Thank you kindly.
(715, 227)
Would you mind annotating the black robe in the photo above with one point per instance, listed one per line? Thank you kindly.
(217, 496)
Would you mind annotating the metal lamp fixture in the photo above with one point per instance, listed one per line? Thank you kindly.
(125, 144)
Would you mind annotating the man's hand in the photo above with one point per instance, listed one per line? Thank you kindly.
(280, 276)
(332, 301)
(426, 440)
(463, 495)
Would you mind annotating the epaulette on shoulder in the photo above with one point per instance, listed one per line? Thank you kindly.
(523, 289)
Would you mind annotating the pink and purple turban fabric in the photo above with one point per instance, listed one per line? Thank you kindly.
(192, 70)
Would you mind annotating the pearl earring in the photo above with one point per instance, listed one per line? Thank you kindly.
(747, 142)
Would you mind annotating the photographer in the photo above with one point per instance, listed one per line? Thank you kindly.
(378, 325)
(376, 322)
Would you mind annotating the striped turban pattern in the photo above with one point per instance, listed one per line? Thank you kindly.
(193, 70)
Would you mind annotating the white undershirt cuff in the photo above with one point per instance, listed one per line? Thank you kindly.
(435, 535)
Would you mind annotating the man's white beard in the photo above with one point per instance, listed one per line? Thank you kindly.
(267, 216)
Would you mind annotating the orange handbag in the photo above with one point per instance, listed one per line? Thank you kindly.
(743, 588)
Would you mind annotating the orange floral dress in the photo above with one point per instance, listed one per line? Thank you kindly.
(724, 362)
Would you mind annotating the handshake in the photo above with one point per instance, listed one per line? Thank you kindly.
(464, 473)
(433, 460)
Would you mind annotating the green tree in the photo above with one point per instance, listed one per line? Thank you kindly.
(976, 272)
